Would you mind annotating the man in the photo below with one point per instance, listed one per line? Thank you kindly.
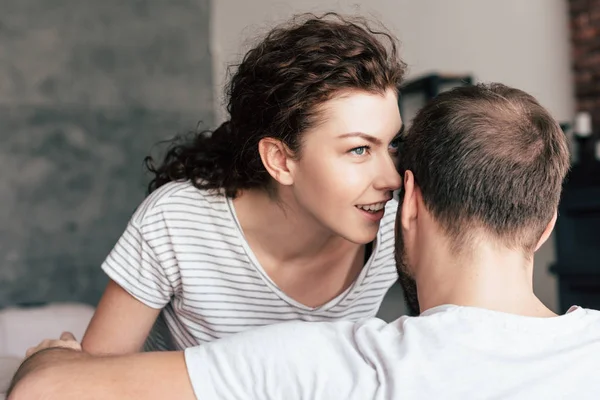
(483, 168)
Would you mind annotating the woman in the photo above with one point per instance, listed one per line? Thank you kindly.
(285, 212)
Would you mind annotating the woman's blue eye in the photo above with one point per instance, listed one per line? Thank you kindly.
(359, 151)
(395, 145)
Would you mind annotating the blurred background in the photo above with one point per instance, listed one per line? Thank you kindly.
(87, 88)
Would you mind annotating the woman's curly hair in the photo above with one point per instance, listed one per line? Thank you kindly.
(276, 92)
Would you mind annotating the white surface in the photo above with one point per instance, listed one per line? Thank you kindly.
(21, 328)
(520, 43)
(583, 124)
(8, 367)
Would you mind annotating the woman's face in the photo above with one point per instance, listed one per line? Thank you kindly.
(346, 171)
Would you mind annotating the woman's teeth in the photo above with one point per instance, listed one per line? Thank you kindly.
(372, 207)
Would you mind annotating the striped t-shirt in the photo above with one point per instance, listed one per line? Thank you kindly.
(183, 251)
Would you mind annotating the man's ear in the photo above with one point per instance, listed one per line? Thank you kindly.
(277, 158)
(547, 231)
(409, 201)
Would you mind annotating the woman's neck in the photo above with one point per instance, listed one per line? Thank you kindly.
(282, 229)
(307, 262)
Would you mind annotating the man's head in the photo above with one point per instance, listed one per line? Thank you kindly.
(485, 161)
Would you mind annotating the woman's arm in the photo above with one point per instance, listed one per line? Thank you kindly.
(120, 325)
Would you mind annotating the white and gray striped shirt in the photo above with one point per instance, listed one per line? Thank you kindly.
(184, 252)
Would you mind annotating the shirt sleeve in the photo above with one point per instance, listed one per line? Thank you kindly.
(134, 265)
(296, 360)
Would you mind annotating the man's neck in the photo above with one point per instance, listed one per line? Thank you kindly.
(489, 276)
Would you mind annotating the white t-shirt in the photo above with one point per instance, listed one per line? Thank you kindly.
(183, 251)
(448, 352)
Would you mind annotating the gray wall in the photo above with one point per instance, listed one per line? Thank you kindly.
(86, 88)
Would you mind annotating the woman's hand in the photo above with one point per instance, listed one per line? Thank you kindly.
(66, 341)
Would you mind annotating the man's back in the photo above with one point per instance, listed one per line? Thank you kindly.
(465, 352)
(449, 352)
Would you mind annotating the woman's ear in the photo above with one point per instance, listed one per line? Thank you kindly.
(277, 158)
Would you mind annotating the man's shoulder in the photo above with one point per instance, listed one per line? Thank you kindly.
(592, 313)
(322, 360)
(328, 329)
(329, 334)
(593, 318)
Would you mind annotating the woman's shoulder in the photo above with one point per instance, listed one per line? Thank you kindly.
(180, 195)
(183, 188)
(389, 218)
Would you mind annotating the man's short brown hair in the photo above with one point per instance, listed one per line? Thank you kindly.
(488, 157)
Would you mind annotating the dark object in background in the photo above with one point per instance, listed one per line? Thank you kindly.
(578, 238)
(415, 93)
(578, 227)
